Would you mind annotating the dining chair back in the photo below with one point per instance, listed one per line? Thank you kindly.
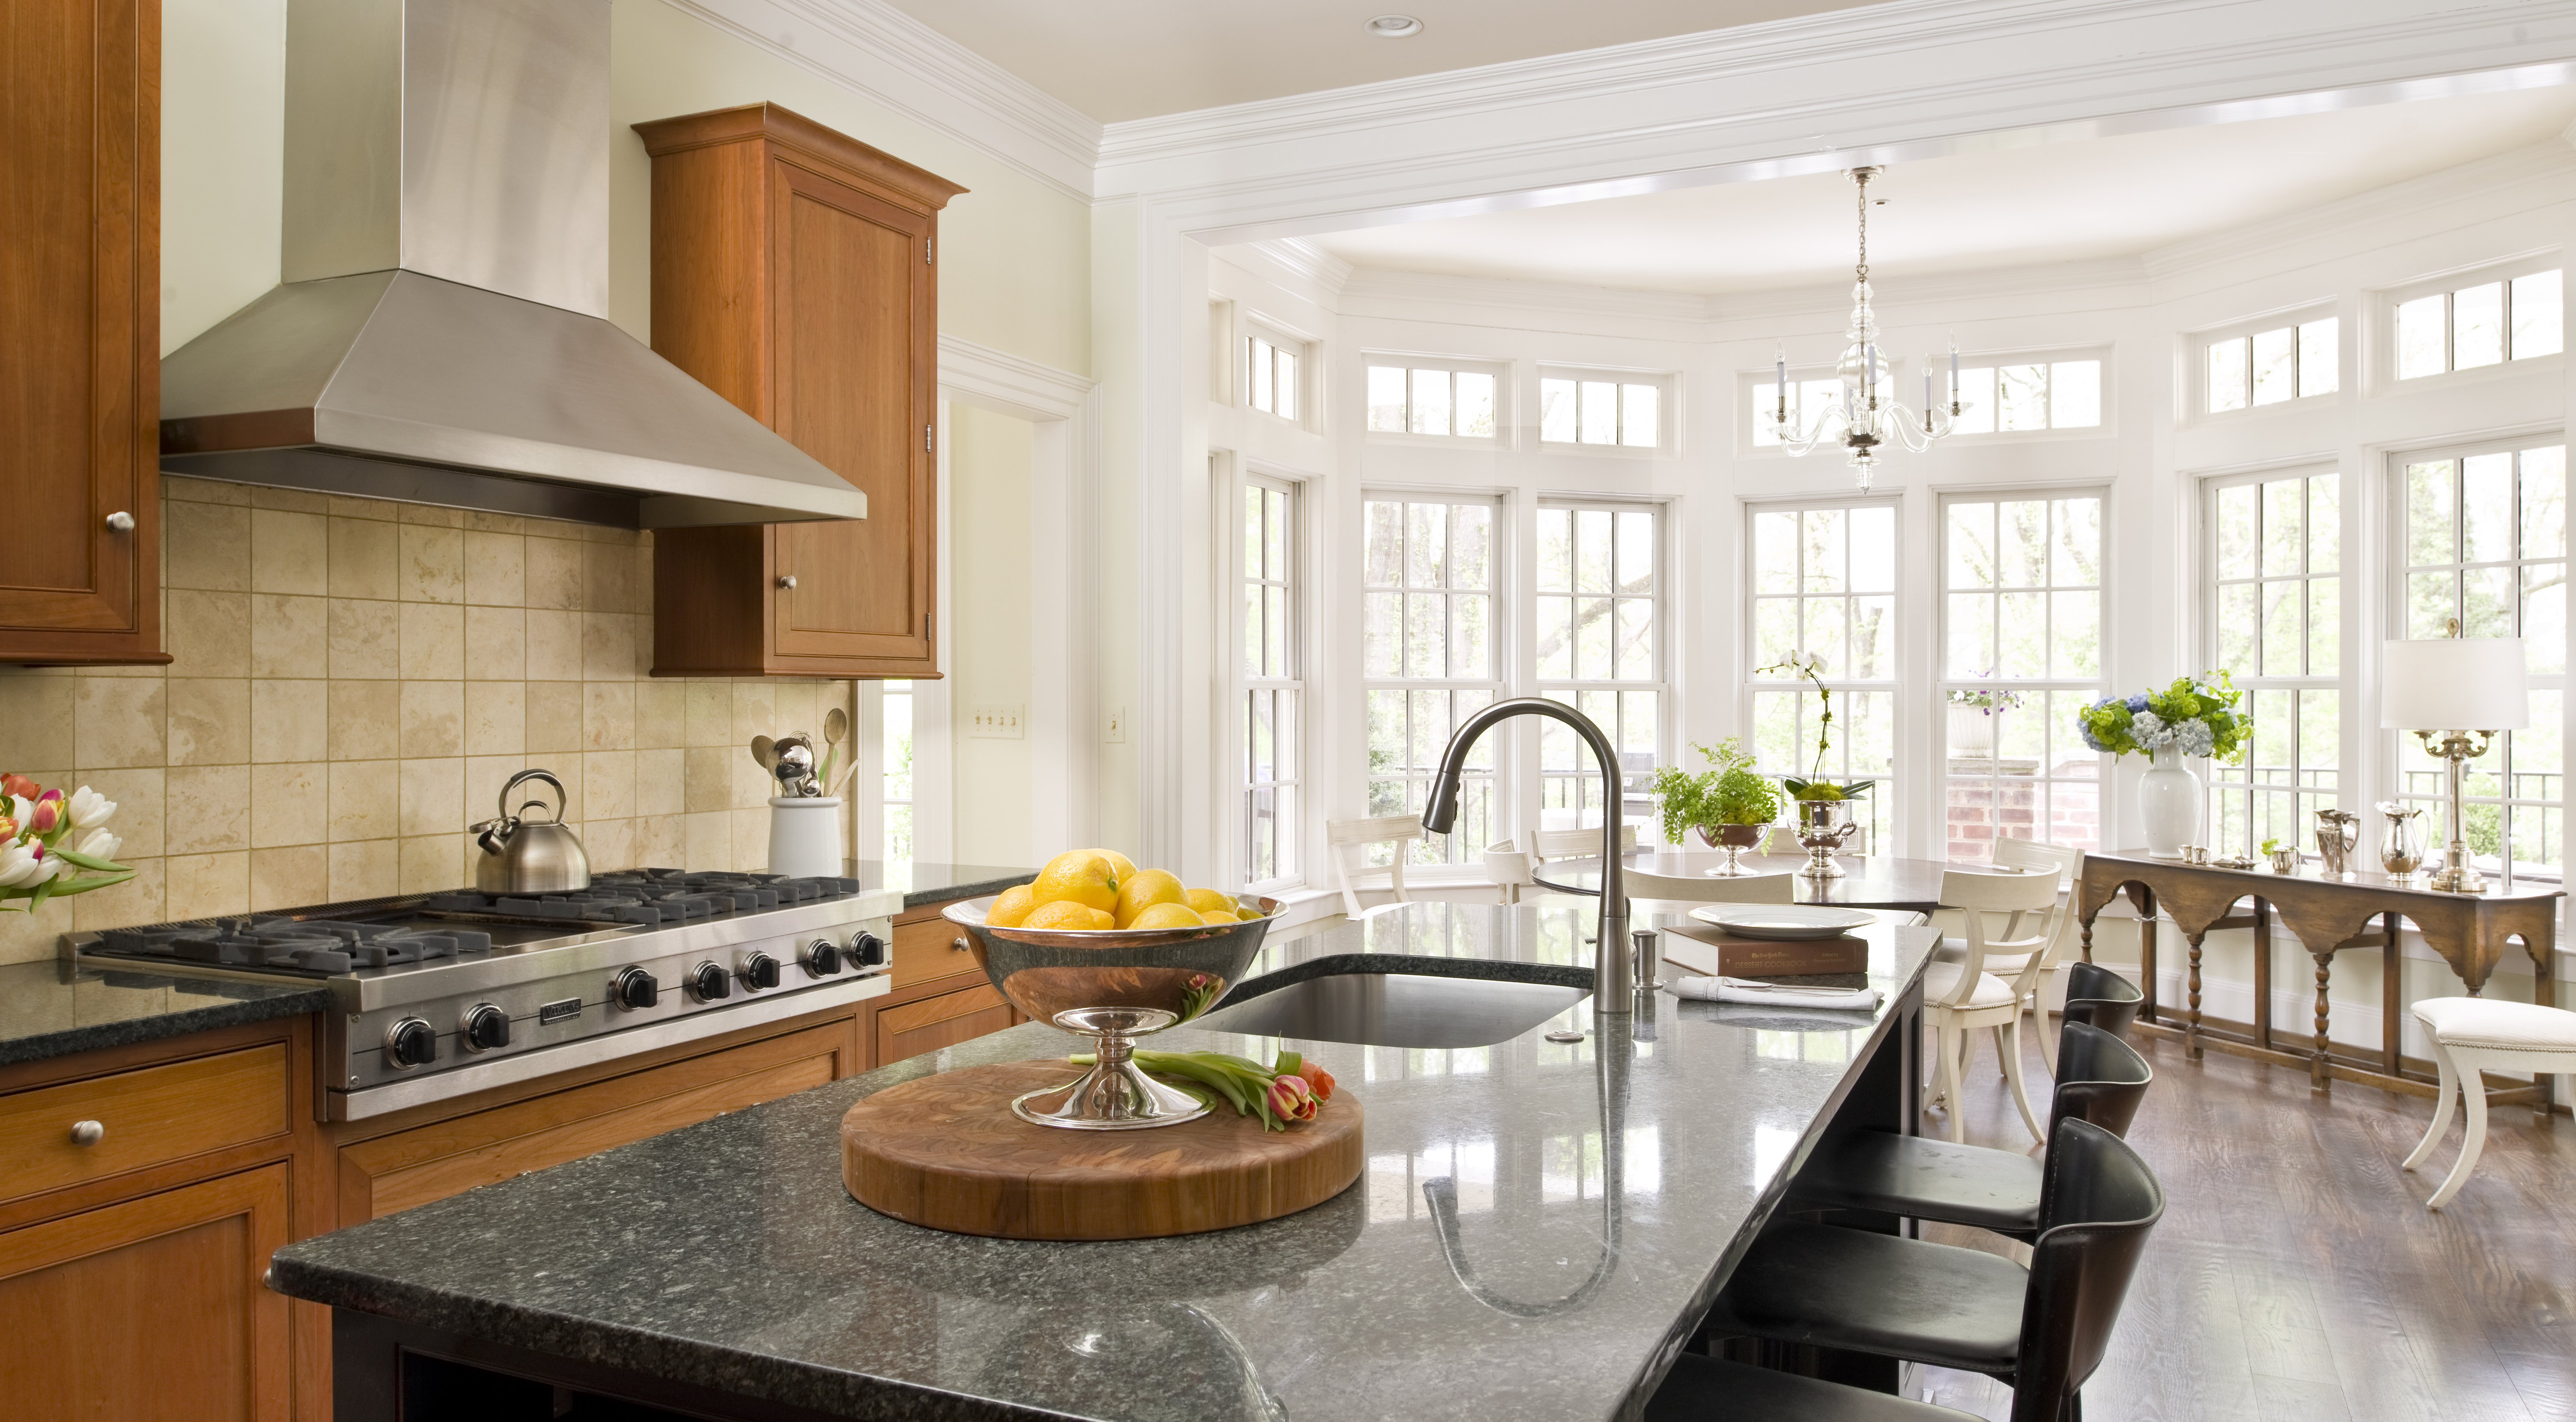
(1350, 840)
(2100, 1079)
(2098, 997)
(1508, 866)
(1579, 843)
(2099, 1202)
(1961, 996)
(1709, 888)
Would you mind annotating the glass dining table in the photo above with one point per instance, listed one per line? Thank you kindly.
(1869, 880)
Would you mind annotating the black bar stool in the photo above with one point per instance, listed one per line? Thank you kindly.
(2101, 1079)
(1701, 1389)
(2098, 997)
(2042, 1329)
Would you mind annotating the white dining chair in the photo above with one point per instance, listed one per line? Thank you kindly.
(2061, 863)
(1578, 843)
(1960, 997)
(1508, 866)
(1349, 840)
(2471, 1034)
(1675, 893)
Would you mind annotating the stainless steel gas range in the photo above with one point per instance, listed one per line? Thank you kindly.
(436, 995)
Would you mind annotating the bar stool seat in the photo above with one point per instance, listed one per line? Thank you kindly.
(1700, 1389)
(1878, 1293)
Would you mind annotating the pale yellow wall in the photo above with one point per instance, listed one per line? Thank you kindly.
(223, 135)
(1116, 351)
(988, 474)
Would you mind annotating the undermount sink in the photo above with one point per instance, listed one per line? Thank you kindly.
(1396, 1010)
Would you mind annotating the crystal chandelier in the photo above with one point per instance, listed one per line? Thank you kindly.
(1868, 414)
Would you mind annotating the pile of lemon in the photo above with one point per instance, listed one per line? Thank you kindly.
(1097, 889)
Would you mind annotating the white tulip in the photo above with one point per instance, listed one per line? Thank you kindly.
(20, 807)
(89, 809)
(101, 845)
(20, 866)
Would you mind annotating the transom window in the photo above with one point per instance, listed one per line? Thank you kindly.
(1824, 583)
(2289, 362)
(1599, 650)
(2021, 396)
(1605, 408)
(1809, 396)
(2275, 624)
(1273, 688)
(1429, 656)
(1273, 374)
(2022, 613)
(2482, 537)
(2489, 323)
(1410, 397)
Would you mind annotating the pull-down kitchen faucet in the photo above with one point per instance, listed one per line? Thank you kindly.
(1616, 970)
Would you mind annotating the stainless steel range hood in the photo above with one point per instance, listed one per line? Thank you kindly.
(441, 336)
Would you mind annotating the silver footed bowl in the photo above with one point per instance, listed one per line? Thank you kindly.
(1115, 985)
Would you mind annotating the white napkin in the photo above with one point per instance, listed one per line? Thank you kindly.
(1709, 988)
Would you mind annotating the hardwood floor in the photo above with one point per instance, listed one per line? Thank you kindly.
(2297, 1276)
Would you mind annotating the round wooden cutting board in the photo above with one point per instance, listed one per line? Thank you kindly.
(946, 1152)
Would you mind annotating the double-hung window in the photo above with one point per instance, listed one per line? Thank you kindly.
(1824, 585)
(1429, 654)
(895, 796)
(1273, 691)
(2514, 314)
(2482, 538)
(2272, 543)
(2021, 612)
(1449, 399)
(1600, 650)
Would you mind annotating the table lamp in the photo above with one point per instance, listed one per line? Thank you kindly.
(2451, 687)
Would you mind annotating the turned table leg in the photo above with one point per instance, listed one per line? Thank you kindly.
(2318, 1079)
(2145, 899)
(2262, 973)
(2191, 986)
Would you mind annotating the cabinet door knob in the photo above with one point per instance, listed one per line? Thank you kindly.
(121, 521)
(787, 580)
(958, 945)
(88, 1133)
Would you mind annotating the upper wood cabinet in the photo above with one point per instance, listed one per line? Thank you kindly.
(795, 272)
(80, 324)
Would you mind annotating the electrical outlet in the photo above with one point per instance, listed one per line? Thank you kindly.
(1114, 730)
(995, 722)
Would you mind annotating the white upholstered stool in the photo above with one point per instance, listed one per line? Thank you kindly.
(2471, 1034)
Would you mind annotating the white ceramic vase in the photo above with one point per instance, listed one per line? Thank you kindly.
(2169, 800)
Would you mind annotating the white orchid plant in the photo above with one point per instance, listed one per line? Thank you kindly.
(52, 844)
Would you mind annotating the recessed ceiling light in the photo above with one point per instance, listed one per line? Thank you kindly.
(1395, 27)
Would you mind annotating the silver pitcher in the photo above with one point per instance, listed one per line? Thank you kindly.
(2338, 834)
(1824, 826)
(2401, 840)
(525, 856)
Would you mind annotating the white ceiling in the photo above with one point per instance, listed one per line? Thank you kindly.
(1128, 59)
(2049, 202)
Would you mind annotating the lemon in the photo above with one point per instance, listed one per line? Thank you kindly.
(1210, 901)
(1078, 876)
(1220, 916)
(1142, 890)
(1166, 914)
(1066, 914)
(1120, 862)
(1012, 908)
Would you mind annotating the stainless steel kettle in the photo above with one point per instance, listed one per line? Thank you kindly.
(525, 856)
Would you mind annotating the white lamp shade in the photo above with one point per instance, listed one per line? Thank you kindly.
(2454, 684)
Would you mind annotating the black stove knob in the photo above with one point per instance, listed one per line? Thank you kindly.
(709, 982)
(822, 957)
(486, 1027)
(867, 950)
(635, 990)
(760, 971)
(411, 1043)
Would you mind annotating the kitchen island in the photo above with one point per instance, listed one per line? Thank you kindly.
(1539, 1228)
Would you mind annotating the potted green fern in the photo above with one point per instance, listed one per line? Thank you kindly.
(1728, 805)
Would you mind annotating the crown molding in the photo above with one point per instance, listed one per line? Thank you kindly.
(1378, 286)
(987, 375)
(2123, 278)
(1304, 261)
(887, 56)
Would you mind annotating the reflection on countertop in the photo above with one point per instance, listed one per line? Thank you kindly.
(1538, 1225)
(924, 882)
(52, 1009)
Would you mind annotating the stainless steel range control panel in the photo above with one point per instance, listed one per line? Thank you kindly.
(430, 1036)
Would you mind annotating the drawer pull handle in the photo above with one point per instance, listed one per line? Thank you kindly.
(121, 521)
(958, 945)
(787, 580)
(88, 1133)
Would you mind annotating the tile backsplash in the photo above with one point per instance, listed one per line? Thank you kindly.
(351, 683)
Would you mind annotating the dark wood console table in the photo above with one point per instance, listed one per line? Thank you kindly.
(2329, 915)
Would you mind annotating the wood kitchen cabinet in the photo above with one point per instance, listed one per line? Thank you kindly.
(80, 306)
(795, 272)
(940, 997)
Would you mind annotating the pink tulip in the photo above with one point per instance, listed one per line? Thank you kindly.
(47, 816)
(1290, 1099)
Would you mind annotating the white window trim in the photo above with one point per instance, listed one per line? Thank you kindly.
(1504, 403)
(1899, 687)
(1661, 684)
(1301, 563)
(2196, 408)
(1504, 645)
(1668, 421)
(2204, 562)
(2384, 302)
(1252, 326)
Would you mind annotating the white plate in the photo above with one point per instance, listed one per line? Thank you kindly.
(1791, 921)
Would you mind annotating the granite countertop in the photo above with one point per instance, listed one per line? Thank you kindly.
(1602, 1190)
(51, 1009)
(925, 883)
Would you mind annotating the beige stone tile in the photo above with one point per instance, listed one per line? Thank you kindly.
(207, 546)
(661, 714)
(751, 839)
(299, 500)
(661, 841)
(484, 777)
(432, 862)
(711, 714)
(607, 646)
(752, 786)
(433, 564)
(366, 869)
(366, 720)
(366, 640)
(207, 633)
(496, 717)
(290, 552)
(433, 796)
(608, 715)
(137, 900)
(433, 641)
(209, 721)
(496, 644)
(139, 794)
(496, 572)
(477, 521)
(289, 721)
(608, 785)
(381, 510)
(566, 769)
(661, 781)
(433, 719)
(366, 799)
(365, 559)
(607, 578)
(204, 885)
(610, 844)
(794, 709)
(119, 721)
(204, 491)
(554, 645)
(30, 937)
(706, 778)
(429, 516)
(554, 716)
(289, 636)
(706, 840)
(755, 713)
(290, 804)
(553, 573)
(209, 809)
(37, 718)
(644, 650)
(290, 877)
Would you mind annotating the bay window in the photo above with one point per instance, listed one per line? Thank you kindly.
(2274, 622)
(1600, 650)
(1272, 699)
(1429, 654)
(1824, 583)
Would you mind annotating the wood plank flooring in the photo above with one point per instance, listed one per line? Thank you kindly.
(2297, 1276)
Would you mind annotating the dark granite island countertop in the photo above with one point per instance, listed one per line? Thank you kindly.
(923, 882)
(727, 1256)
(52, 1009)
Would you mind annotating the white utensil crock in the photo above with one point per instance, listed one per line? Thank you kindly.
(805, 834)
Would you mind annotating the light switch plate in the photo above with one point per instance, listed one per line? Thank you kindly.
(1114, 729)
(996, 722)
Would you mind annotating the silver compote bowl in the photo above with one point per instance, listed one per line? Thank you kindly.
(1115, 985)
